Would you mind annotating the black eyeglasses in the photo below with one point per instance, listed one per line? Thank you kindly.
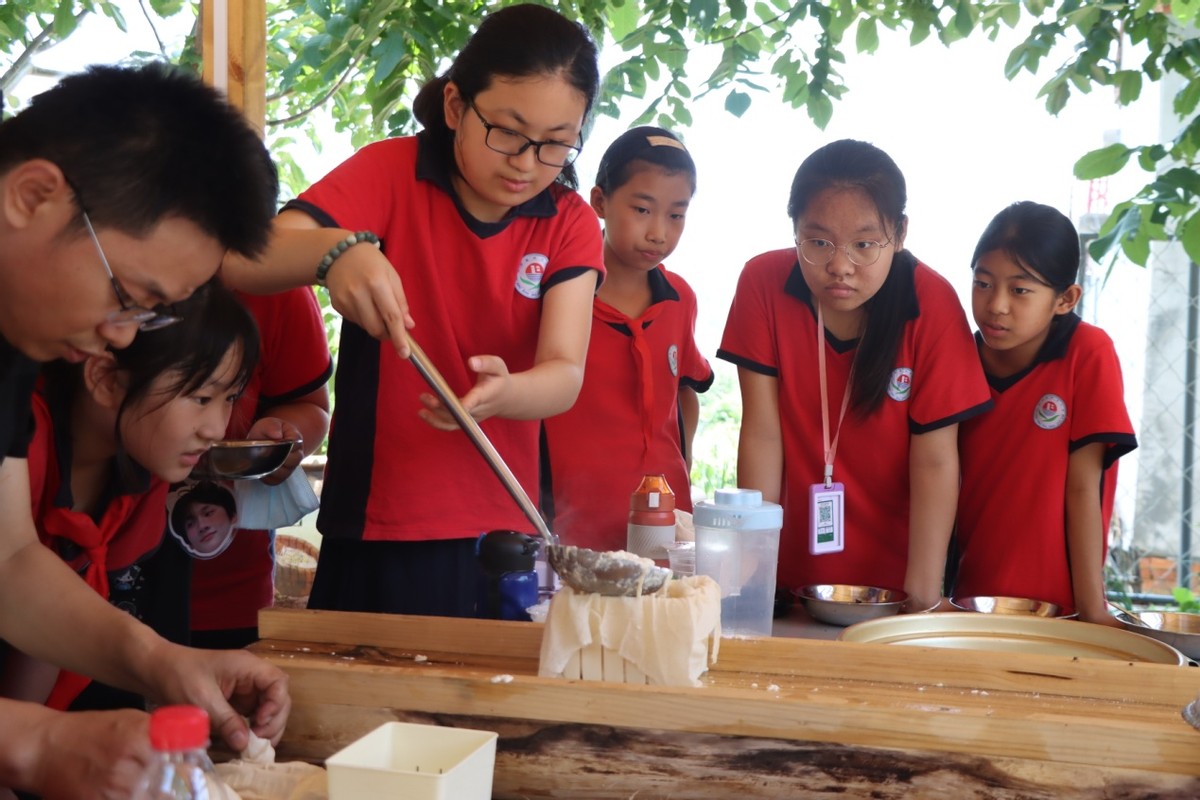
(862, 253)
(147, 319)
(511, 143)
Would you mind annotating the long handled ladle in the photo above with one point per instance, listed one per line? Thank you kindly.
(607, 573)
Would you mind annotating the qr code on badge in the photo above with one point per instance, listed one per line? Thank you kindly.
(825, 512)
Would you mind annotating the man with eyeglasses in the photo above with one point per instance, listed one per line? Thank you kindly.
(120, 192)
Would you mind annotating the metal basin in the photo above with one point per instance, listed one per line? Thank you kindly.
(846, 604)
(1007, 605)
(1180, 630)
(243, 458)
(1013, 633)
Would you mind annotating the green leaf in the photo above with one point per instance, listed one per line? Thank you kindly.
(1186, 600)
(319, 7)
(167, 8)
(1010, 14)
(1186, 99)
(820, 109)
(737, 103)
(623, 19)
(1056, 98)
(867, 37)
(388, 53)
(1129, 86)
(1189, 235)
(964, 18)
(1149, 157)
(1103, 162)
(315, 49)
(64, 19)
(704, 13)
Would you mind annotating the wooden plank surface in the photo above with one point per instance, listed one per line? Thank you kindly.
(590, 762)
(1028, 714)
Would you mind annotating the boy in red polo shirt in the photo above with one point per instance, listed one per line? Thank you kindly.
(638, 408)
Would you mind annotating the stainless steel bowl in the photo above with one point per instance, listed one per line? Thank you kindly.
(1007, 605)
(845, 604)
(1180, 630)
(245, 458)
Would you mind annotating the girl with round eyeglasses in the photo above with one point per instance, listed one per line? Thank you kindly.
(856, 368)
(470, 237)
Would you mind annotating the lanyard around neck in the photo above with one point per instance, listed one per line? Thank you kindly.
(830, 448)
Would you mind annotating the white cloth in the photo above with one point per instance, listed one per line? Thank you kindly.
(262, 507)
(256, 776)
(671, 636)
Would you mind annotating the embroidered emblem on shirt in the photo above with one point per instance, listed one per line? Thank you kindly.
(673, 359)
(1050, 412)
(900, 385)
(530, 274)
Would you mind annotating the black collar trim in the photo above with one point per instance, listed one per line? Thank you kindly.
(439, 171)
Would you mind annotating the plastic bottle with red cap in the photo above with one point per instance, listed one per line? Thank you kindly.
(651, 518)
(181, 769)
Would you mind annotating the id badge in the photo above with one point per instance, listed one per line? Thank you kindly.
(826, 518)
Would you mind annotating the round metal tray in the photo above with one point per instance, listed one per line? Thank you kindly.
(1013, 634)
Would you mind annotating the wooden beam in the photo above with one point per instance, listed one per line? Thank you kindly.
(1061, 718)
(233, 47)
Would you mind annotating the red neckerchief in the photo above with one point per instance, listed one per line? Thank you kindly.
(641, 357)
(94, 538)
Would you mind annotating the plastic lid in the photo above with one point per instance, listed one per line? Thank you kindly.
(506, 551)
(653, 494)
(737, 508)
(174, 728)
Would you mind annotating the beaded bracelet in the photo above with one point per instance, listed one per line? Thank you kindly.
(341, 247)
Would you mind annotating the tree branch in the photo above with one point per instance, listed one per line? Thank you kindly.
(345, 76)
(43, 41)
(162, 48)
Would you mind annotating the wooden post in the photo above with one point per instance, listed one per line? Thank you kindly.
(233, 47)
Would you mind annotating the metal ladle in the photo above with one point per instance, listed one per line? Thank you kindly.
(584, 570)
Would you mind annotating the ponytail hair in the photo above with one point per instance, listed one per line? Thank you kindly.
(851, 164)
(515, 42)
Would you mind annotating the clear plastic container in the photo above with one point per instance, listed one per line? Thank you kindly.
(737, 545)
(681, 556)
(181, 769)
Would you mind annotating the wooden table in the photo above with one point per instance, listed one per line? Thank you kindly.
(775, 718)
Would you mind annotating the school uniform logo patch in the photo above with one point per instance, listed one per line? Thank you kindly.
(673, 359)
(900, 385)
(1050, 412)
(530, 274)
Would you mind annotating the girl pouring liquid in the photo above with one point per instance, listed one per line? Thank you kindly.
(1040, 470)
(483, 239)
(856, 368)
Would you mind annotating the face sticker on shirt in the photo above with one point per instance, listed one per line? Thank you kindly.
(673, 359)
(202, 516)
(530, 274)
(900, 384)
(1050, 412)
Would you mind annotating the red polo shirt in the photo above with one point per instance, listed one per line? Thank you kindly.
(937, 381)
(474, 289)
(1012, 507)
(626, 422)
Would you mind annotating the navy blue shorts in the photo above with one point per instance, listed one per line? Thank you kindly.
(433, 578)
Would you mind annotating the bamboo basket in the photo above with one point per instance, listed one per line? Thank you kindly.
(295, 565)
